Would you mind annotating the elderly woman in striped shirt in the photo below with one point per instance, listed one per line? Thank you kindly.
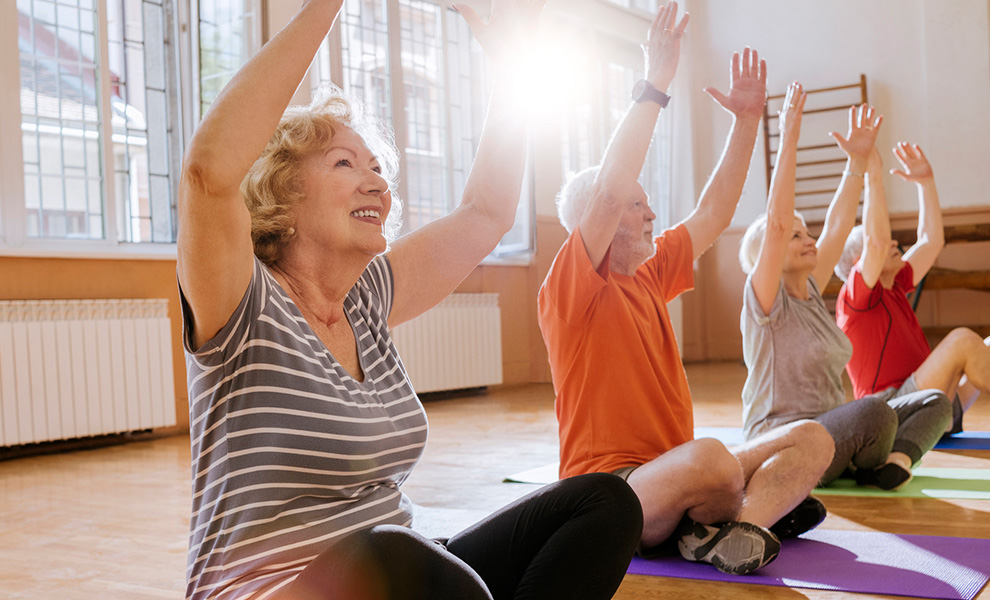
(302, 420)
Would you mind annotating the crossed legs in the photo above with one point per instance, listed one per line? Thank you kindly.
(781, 468)
(757, 482)
(959, 364)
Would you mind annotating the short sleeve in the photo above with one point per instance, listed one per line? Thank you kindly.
(232, 334)
(673, 264)
(572, 283)
(905, 278)
(856, 295)
(751, 304)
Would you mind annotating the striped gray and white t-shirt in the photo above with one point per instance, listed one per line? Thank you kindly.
(289, 452)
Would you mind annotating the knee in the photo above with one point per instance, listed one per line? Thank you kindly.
(715, 467)
(964, 341)
(815, 443)
(878, 413)
(382, 538)
(938, 404)
(610, 495)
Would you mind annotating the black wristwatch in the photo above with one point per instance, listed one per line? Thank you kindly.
(644, 90)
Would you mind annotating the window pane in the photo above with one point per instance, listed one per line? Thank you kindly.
(228, 36)
(467, 93)
(59, 118)
(421, 45)
(364, 34)
(139, 117)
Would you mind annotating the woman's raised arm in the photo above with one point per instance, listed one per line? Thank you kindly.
(214, 247)
(430, 262)
(859, 142)
(780, 205)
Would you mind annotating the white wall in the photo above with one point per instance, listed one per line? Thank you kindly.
(927, 64)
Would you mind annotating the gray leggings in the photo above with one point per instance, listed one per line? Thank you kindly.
(867, 430)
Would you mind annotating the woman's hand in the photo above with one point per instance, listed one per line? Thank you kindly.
(511, 25)
(662, 49)
(789, 116)
(747, 86)
(864, 122)
(916, 167)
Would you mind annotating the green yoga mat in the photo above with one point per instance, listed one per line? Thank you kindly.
(928, 482)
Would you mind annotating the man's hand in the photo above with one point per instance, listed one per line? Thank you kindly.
(747, 86)
(663, 46)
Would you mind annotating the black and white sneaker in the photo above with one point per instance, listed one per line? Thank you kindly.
(736, 547)
(803, 518)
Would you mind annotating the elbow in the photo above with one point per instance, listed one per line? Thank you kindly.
(779, 227)
(201, 178)
(934, 241)
(876, 244)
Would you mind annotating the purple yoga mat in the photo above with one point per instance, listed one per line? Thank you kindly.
(867, 562)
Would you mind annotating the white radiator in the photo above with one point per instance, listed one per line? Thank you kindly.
(455, 345)
(78, 368)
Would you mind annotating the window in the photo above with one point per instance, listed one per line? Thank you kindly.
(414, 64)
(97, 120)
(229, 33)
(606, 96)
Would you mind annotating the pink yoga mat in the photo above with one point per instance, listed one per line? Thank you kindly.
(867, 562)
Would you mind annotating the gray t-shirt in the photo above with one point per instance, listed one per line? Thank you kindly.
(795, 356)
(290, 453)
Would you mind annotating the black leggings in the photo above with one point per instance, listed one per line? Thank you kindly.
(571, 539)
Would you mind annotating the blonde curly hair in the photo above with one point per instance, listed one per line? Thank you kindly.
(273, 186)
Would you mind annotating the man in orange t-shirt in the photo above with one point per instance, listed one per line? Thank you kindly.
(623, 403)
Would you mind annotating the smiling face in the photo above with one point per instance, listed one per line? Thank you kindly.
(633, 241)
(346, 199)
(802, 253)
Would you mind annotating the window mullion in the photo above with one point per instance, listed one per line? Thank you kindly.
(12, 208)
(398, 92)
(196, 59)
(448, 153)
(112, 219)
(335, 57)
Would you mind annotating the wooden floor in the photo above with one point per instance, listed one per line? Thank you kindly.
(111, 523)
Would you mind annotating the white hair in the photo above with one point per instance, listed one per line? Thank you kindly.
(850, 253)
(574, 196)
(752, 242)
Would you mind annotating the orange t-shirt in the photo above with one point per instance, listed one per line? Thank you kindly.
(622, 394)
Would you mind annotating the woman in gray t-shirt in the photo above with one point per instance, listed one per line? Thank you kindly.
(793, 349)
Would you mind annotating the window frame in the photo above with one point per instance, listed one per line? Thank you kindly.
(14, 241)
